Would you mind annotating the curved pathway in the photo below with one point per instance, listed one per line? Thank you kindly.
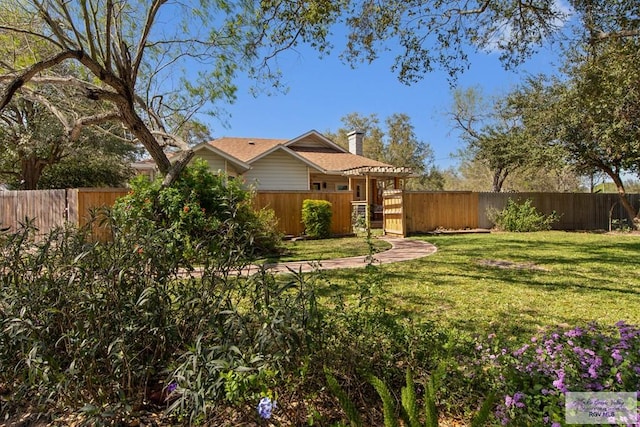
(401, 250)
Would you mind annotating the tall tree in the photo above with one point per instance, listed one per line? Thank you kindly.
(140, 57)
(373, 138)
(396, 144)
(497, 135)
(34, 144)
(596, 113)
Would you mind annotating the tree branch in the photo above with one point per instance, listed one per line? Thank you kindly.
(177, 167)
(477, 11)
(148, 24)
(601, 35)
(177, 141)
(30, 72)
(30, 33)
(91, 120)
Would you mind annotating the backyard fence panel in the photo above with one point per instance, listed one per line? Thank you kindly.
(287, 206)
(578, 211)
(428, 211)
(8, 206)
(46, 208)
(92, 200)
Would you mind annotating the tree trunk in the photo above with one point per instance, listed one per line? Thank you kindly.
(177, 167)
(30, 171)
(628, 207)
(499, 176)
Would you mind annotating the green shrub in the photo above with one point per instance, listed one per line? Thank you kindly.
(522, 217)
(199, 205)
(100, 328)
(316, 217)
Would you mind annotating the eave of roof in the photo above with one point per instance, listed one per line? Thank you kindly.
(382, 171)
(326, 141)
(339, 162)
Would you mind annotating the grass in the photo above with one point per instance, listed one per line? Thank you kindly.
(554, 278)
(318, 250)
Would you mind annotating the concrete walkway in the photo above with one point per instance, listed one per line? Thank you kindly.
(401, 250)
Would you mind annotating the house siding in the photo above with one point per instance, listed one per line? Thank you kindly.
(216, 163)
(308, 143)
(330, 182)
(278, 171)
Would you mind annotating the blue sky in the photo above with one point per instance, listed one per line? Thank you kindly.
(322, 91)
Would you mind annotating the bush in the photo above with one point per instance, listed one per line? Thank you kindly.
(522, 217)
(316, 217)
(198, 206)
(101, 328)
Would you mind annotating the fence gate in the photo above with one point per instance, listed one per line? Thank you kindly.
(393, 216)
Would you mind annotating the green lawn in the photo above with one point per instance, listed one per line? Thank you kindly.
(318, 250)
(553, 278)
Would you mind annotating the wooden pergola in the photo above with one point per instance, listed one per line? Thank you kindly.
(399, 174)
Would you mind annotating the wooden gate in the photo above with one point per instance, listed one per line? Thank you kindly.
(393, 214)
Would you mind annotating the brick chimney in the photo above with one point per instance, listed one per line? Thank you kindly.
(355, 142)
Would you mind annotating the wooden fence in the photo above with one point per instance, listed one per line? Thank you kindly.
(287, 206)
(49, 209)
(45, 208)
(413, 212)
(428, 211)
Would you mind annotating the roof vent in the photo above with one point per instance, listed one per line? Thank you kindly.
(252, 143)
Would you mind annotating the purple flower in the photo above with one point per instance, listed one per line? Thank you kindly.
(172, 387)
(517, 399)
(577, 332)
(559, 383)
(508, 401)
(265, 407)
(556, 424)
(616, 355)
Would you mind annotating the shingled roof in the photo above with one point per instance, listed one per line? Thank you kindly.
(325, 158)
(246, 149)
(337, 162)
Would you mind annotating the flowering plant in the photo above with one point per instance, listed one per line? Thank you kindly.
(535, 377)
(265, 407)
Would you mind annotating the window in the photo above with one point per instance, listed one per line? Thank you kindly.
(315, 186)
(342, 187)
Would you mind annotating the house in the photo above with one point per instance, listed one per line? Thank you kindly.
(309, 162)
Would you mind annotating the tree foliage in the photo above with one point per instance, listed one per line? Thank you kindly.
(497, 135)
(442, 34)
(598, 110)
(147, 72)
(36, 152)
(396, 144)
